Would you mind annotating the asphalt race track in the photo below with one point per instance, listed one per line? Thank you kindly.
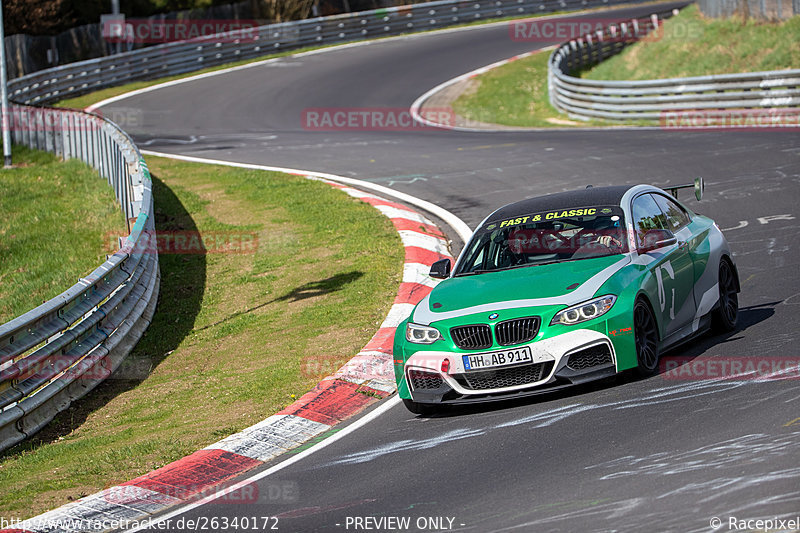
(668, 453)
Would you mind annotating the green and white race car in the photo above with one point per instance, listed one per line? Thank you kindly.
(562, 289)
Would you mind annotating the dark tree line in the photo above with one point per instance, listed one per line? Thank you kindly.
(51, 17)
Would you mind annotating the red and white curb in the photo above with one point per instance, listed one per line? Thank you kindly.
(365, 379)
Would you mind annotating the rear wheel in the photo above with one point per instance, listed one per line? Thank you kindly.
(724, 317)
(419, 408)
(646, 334)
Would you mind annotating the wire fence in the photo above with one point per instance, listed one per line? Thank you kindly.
(760, 9)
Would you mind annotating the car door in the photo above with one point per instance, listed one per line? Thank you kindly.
(671, 266)
(679, 222)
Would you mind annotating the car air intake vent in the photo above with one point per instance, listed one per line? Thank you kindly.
(589, 357)
(517, 330)
(505, 377)
(424, 380)
(477, 337)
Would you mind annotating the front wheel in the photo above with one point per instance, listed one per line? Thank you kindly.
(419, 408)
(646, 334)
(724, 317)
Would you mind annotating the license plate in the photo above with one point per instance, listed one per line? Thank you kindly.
(480, 361)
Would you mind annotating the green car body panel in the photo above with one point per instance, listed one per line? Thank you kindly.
(677, 282)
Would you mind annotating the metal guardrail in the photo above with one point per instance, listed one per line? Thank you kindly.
(187, 56)
(59, 351)
(647, 100)
(56, 353)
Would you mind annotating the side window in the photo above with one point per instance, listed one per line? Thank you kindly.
(676, 216)
(475, 262)
(646, 216)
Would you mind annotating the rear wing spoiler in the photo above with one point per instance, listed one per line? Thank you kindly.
(699, 186)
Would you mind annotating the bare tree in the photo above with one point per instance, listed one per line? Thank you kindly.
(282, 10)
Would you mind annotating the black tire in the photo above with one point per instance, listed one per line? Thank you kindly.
(645, 331)
(419, 408)
(724, 317)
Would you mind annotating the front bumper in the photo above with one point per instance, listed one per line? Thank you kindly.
(564, 360)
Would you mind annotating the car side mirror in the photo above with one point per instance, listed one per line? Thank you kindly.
(657, 238)
(440, 269)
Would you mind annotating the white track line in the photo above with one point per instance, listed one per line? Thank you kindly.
(417, 105)
(382, 408)
(299, 54)
(334, 48)
(458, 225)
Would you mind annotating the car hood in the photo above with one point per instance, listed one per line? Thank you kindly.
(558, 283)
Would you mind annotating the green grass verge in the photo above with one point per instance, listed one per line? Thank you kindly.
(55, 220)
(81, 102)
(692, 45)
(236, 337)
(516, 94)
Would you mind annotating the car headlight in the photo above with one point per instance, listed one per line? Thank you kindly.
(421, 334)
(584, 311)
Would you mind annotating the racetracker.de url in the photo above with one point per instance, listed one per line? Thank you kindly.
(201, 523)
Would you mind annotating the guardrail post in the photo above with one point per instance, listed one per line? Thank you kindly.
(49, 124)
(66, 137)
(73, 152)
(41, 130)
(107, 151)
(26, 124)
(96, 159)
(17, 124)
(551, 88)
(58, 134)
(83, 139)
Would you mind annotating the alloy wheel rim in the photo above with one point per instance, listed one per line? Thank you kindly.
(645, 337)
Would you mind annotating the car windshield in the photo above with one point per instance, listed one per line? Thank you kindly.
(539, 238)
